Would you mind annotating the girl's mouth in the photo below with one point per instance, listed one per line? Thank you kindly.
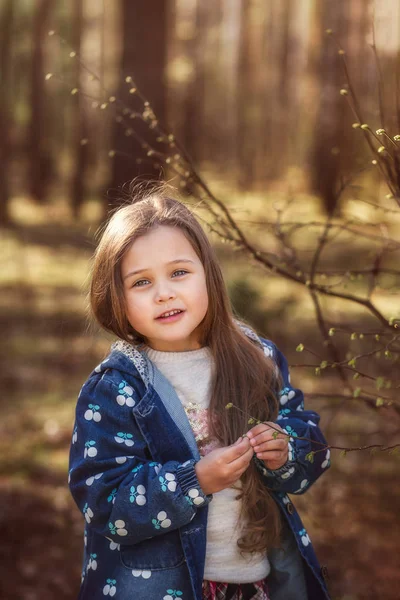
(170, 316)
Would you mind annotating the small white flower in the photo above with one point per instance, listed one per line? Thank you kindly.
(195, 497)
(124, 440)
(90, 451)
(109, 590)
(290, 451)
(303, 485)
(268, 350)
(88, 514)
(137, 494)
(90, 480)
(118, 528)
(125, 395)
(287, 396)
(120, 525)
(92, 564)
(288, 473)
(162, 520)
(305, 539)
(93, 413)
(128, 401)
(168, 482)
(114, 546)
(141, 573)
(326, 461)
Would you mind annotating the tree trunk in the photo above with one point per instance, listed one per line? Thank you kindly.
(245, 101)
(80, 147)
(40, 158)
(193, 103)
(144, 33)
(6, 18)
(332, 154)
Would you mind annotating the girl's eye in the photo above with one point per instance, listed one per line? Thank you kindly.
(143, 282)
(140, 283)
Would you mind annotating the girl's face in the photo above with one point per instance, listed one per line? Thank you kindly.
(162, 275)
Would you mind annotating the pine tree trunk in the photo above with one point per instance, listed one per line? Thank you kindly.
(40, 159)
(80, 147)
(144, 32)
(332, 155)
(6, 18)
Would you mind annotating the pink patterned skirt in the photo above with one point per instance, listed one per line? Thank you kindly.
(213, 590)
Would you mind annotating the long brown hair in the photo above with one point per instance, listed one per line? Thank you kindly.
(243, 375)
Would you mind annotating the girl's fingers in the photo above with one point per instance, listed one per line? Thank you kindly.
(263, 427)
(241, 463)
(240, 447)
(278, 444)
(245, 458)
(267, 435)
(257, 429)
(275, 455)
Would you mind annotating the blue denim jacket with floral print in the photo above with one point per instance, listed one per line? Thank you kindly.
(132, 475)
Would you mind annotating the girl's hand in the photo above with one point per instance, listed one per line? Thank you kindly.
(222, 467)
(273, 452)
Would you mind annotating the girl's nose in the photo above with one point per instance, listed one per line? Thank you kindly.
(164, 293)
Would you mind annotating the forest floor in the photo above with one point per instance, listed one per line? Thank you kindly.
(47, 353)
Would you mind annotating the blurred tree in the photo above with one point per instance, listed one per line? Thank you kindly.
(39, 153)
(193, 101)
(144, 57)
(230, 31)
(245, 140)
(265, 72)
(332, 153)
(6, 21)
(80, 147)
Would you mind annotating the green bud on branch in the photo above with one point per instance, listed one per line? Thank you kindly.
(310, 457)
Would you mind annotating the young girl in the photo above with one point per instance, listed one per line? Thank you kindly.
(182, 497)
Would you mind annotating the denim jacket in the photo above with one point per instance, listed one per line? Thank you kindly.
(132, 475)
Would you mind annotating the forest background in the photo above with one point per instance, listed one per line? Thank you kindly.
(280, 124)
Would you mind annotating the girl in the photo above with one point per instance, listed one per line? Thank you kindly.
(178, 502)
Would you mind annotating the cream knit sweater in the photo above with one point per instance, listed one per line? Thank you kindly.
(190, 373)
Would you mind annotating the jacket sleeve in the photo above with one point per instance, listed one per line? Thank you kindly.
(303, 466)
(122, 493)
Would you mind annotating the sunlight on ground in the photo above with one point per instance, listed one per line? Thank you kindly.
(51, 349)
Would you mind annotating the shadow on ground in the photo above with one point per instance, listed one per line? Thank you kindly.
(41, 542)
(351, 513)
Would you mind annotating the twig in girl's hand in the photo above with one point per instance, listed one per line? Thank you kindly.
(310, 456)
